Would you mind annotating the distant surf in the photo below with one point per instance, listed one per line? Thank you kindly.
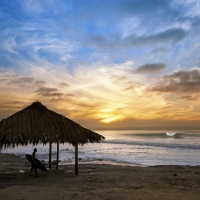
(171, 134)
(147, 148)
(164, 134)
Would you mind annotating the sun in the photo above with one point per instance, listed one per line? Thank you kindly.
(108, 115)
(108, 120)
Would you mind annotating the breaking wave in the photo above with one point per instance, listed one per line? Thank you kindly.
(164, 135)
(153, 144)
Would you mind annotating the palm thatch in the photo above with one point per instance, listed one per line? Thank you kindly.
(37, 124)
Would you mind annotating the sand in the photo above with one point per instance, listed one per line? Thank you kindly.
(97, 181)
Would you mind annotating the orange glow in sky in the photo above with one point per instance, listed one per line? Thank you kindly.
(99, 64)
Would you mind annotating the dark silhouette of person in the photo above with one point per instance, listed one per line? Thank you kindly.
(34, 163)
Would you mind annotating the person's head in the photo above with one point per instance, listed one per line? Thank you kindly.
(35, 150)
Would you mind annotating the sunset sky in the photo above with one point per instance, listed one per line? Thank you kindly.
(106, 64)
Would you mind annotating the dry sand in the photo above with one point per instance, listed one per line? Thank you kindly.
(98, 181)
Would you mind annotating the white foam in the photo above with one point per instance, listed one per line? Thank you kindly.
(171, 134)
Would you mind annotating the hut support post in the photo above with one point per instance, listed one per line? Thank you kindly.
(50, 147)
(76, 159)
(57, 154)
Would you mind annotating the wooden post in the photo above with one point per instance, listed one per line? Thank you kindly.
(76, 159)
(57, 154)
(50, 147)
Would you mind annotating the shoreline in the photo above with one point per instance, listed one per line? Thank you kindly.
(97, 181)
(94, 162)
(101, 162)
(80, 162)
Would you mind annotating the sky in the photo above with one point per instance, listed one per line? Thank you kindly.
(117, 64)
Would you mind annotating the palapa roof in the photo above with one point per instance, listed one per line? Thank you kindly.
(37, 124)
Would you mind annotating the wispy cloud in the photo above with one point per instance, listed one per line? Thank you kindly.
(64, 84)
(159, 50)
(190, 97)
(48, 92)
(169, 36)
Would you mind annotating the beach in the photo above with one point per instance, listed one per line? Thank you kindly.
(97, 181)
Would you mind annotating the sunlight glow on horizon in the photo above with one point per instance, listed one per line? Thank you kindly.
(104, 68)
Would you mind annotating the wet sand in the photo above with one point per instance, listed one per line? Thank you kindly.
(97, 181)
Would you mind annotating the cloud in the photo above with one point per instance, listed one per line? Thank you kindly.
(44, 91)
(63, 84)
(66, 97)
(22, 81)
(26, 81)
(159, 50)
(132, 85)
(69, 95)
(151, 7)
(180, 82)
(173, 35)
(195, 21)
(2, 71)
(40, 83)
(3, 80)
(11, 81)
(23, 38)
(190, 97)
(9, 107)
(151, 68)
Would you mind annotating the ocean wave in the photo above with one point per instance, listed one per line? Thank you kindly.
(153, 144)
(164, 134)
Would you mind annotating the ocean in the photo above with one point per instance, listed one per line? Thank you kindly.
(128, 147)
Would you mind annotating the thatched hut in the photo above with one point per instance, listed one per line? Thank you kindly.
(37, 124)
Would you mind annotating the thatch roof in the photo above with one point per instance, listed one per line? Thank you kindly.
(37, 124)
